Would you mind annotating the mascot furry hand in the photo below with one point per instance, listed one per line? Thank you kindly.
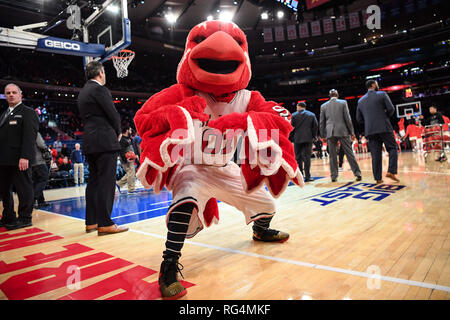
(206, 108)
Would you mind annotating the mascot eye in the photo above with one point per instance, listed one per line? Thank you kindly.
(239, 41)
(199, 39)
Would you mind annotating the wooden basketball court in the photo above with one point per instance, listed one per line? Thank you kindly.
(349, 240)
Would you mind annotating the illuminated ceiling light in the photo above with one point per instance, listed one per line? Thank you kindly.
(280, 14)
(393, 66)
(170, 17)
(210, 17)
(113, 9)
(225, 16)
(398, 87)
(264, 16)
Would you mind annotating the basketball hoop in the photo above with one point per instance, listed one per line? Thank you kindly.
(121, 62)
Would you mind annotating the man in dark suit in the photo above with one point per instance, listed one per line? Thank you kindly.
(336, 125)
(374, 110)
(18, 129)
(101, 146)
(304, 132)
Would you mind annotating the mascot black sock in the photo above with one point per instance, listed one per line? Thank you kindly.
(262, 224)
(178, 225)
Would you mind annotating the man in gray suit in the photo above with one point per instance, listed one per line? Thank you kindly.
(336, 125)
(374, 110)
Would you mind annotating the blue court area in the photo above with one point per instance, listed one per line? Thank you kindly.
(128, 208)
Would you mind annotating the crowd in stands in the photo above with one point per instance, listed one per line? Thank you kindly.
(67, 156)
(63, 70)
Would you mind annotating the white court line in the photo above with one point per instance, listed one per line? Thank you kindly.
(311, 265)
(404, 171)
(152, 204)
(132, 214)
(420, 172)
(126, 215)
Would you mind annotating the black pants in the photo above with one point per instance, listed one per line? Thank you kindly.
(100, 188)
(303, 156)
(375, 144)
(40, 179)
(9, 176)
(341, 155)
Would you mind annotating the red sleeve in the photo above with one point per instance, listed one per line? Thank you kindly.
(165, 124)
(259, 104)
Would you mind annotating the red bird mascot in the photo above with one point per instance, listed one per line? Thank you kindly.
(195, 132)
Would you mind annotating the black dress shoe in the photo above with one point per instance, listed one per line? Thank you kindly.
(358, 178)
(333, 180)
(309, 180)
(19, 224)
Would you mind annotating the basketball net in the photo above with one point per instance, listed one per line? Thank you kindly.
(121, 62)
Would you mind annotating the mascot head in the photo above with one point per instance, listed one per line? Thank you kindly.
(215, 59)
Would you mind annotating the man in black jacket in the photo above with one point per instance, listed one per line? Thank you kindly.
(305, 131)
(101, 146)
(374, 110)
(434, 118)
(18, 129)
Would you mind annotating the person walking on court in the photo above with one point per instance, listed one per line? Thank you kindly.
(39, 173)
(19, 125)
(101, 147)
(373, 111)
(305, 131)
(129, 178)
(336, 126)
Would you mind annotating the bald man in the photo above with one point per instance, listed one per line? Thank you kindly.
(19, 125)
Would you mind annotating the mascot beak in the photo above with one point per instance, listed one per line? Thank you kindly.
(218, 59)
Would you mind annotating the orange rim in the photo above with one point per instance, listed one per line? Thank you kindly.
(124, 50)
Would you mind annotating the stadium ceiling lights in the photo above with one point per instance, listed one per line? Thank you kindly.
(393, 66)
(225, 16)
(171, 18)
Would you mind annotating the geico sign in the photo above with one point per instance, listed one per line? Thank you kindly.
(62, 45)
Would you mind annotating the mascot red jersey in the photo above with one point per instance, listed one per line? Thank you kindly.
(195, 132)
